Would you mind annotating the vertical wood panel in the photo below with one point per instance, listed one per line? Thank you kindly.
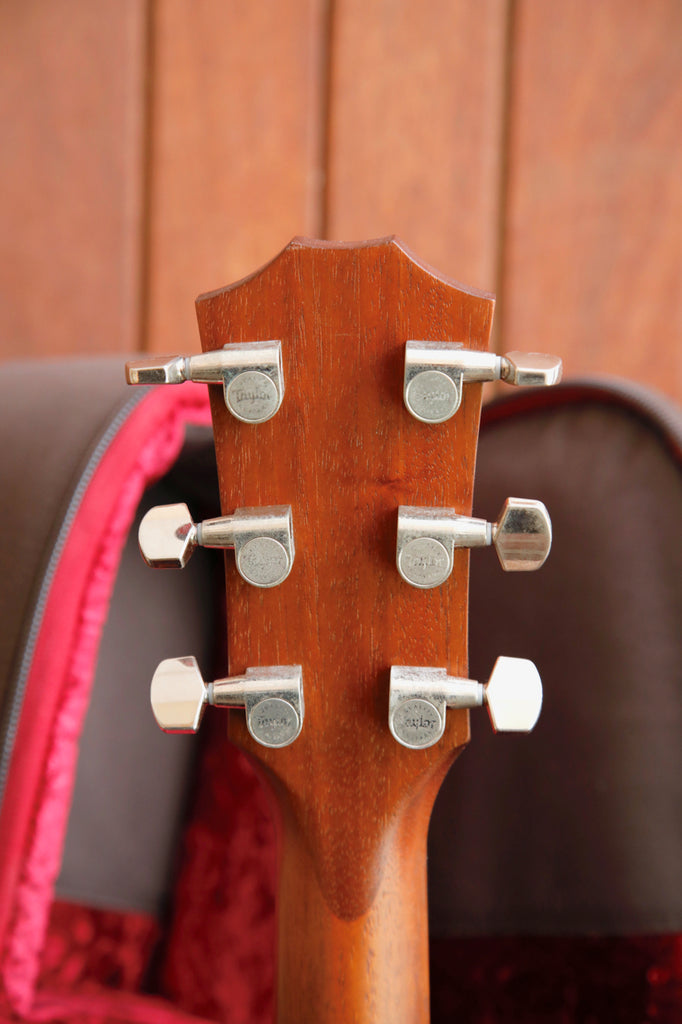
(70, 175)
(235, 147)
(415, 128)
(593, 260)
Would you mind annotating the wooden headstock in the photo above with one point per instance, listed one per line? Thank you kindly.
(336, 444)
(345, 453)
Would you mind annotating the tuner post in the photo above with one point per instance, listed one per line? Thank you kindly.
(272, 698)
(262, 539)
(435, 372)
(250, 372)
(419, 697)
(427, 538)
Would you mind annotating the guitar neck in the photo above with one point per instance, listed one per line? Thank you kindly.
(365, 967)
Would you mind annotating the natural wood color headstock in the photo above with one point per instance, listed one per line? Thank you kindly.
(353, 805)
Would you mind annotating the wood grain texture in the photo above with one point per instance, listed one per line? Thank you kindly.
(415, 128)
(234, 148)
(593, 255)
(344, 452)
(70, 176)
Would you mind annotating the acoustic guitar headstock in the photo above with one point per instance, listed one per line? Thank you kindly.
(346, 400)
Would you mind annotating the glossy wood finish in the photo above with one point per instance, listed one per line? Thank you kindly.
(343, 451)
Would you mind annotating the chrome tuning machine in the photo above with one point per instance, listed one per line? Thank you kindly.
(262, 538)
(272, 697)
(418, 699)
(435, 372)
(427, 538)
(250, 373)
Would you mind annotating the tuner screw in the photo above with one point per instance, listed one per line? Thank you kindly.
(272, 697)
(427, 538)
(435, 372)
(418, 699)
(262, 538)
(250, 372)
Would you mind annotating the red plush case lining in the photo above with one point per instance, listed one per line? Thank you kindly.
(36, 804)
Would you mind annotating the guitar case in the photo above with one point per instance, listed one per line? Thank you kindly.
(137, 869)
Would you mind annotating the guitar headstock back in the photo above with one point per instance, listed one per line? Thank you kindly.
(346, 424)
(344, 453)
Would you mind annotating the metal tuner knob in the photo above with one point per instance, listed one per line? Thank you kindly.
(427, 538)
(419, 696)
(262, 538)
(250, 372)
(435, 372)
(272, 697)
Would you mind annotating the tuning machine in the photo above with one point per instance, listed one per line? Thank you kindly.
(262, 538)
(418, 699)
(272, 698)
(427, 538)
(250, 373)
(435, 372)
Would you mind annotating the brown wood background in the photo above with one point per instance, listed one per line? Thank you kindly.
(154, 149)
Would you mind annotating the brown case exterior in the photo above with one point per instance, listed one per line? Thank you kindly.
(575, 830)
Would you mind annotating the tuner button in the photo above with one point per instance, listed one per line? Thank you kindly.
(272, 697)
(427, 538)
(531, 369)
(262, 538)
(157, 370)
(522, 535)
(178, 695)
(435, 372)
(250, 373)
(418, 698)
(514, 695)
(167, 537)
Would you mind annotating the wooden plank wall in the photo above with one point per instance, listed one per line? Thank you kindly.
(153, 149)
(592, 255)
(72, 79)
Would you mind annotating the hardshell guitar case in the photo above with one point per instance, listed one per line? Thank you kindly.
(137, 870)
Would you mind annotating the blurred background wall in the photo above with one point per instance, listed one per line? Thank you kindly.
(155, 149)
